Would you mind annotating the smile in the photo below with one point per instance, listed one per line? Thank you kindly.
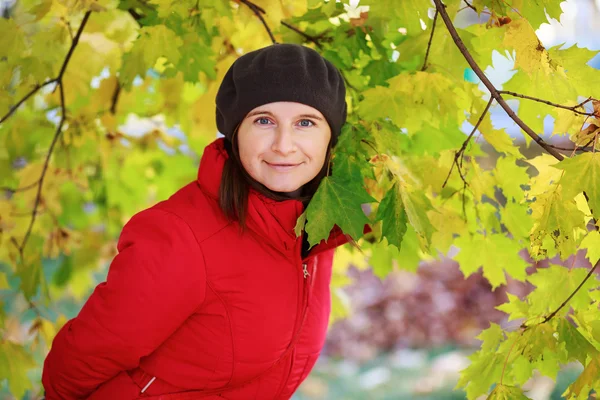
(282, 167)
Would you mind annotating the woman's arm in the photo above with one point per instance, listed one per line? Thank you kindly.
(155, 282)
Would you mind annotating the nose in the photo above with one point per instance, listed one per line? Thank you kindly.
(283, 142)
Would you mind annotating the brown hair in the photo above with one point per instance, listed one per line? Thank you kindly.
(236, 183)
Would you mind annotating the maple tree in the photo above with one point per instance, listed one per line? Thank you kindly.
(76, 75)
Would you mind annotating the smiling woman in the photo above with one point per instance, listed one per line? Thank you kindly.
(212, 294)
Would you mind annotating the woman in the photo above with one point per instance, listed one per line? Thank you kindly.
(212, 295)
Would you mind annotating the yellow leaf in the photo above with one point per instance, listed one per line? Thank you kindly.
(3, 281)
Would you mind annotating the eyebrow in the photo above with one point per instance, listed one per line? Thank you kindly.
(257, 112)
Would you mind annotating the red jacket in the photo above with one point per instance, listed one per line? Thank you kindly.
(192, 309)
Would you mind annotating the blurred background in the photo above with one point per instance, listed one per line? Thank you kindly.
(408, 336)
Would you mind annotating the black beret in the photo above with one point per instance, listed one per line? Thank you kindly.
(281, 72)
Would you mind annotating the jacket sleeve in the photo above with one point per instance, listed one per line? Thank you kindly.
(154, 283)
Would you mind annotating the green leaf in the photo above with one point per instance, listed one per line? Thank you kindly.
(511, 178)
(504, 392)
(535, 10)
(335, 202)
(196, 58)
(393, 214)
(14, 365)
(582, 174)
(12, 39)
(300, 224)
(577, 346)
(554, 285)
(555, 218)
(591, 242)
(516, 218)
(491, 337)
(495, 253)
(589, 379)
(153, 42)
(484, 371)
(515, 307)
(402, 13)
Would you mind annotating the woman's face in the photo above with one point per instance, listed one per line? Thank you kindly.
(283, 145)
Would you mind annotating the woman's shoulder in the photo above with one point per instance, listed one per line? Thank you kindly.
(198, 210)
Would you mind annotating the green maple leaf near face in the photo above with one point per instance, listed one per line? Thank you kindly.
(495, 253)
(393, 214)
(582, 174)
(336, 202)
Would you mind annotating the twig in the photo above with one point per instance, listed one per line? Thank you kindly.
(470, 5)
(305, 35)
(564, 303)
(424, 67)
(258, 12)
(58, 131)
(24, 99)
(38, 196)
(493, 91)
(21, 189)
(567, 149)
(466, 142)
(115, 98)
(570, 108)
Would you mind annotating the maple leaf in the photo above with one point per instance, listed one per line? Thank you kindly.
(495, 253)
(505, 392)
(392, 211)
(555, 218)
(336, 202)
(582, 174)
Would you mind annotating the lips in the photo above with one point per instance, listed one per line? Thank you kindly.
(282, 167)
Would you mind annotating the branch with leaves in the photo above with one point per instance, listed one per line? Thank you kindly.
(60, 86)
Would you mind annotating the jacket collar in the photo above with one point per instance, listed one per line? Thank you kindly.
(272, 220)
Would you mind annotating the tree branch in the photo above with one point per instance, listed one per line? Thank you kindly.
(308, 37)
(57, 133)
(424, 67)
(24, 99)
(570, 108)
(258, 12)
(493, 91)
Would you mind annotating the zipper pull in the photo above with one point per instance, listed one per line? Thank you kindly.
(305, 270)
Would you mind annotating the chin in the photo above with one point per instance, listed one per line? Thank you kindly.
(284, 188)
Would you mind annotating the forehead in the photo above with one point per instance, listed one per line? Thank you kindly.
(286, 108)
